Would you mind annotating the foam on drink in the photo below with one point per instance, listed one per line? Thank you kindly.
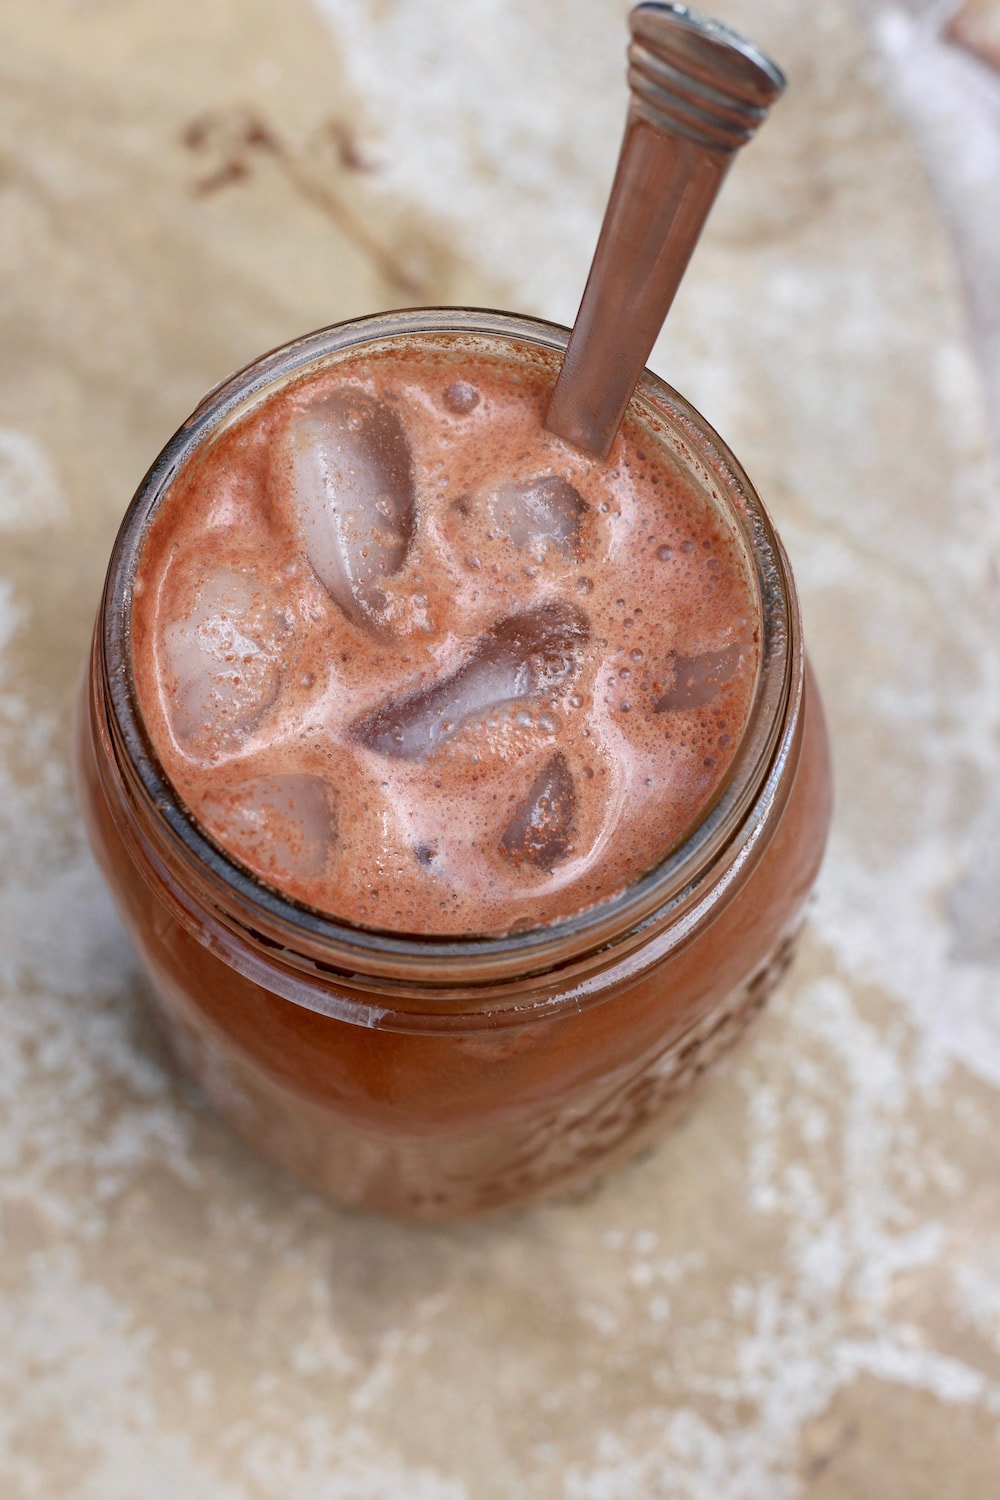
(421, 665)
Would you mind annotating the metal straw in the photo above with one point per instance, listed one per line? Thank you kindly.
(698, 93)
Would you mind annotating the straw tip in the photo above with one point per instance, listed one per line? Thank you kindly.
(695, 41)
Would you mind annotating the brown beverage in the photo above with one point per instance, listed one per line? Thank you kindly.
(474, 787)
(425, 667)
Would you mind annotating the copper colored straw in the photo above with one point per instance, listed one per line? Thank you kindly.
(698, 93)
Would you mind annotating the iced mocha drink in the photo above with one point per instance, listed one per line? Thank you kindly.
(425, 667)
(462, 794)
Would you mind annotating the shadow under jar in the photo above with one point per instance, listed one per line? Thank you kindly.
(440, 1077)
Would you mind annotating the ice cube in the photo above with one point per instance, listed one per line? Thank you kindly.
(220, 666)
(281, 826)
(539, 833)
(698, 679)
(533, 513)
(353, 495)
(522, 657)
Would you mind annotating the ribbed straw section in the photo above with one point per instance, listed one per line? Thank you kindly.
(698, 78)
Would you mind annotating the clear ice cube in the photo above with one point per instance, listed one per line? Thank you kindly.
(697, 680)
(281, 826)
(539, 833)
(522, 657)
(533, 513)
(220, 666)
(353, 496)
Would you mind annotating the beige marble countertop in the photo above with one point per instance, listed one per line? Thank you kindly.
(798, 1293)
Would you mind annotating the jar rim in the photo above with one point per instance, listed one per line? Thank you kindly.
(435, 962)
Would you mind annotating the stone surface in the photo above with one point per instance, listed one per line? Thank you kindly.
(798, 1294)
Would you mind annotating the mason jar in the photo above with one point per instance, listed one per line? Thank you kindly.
(438, 1077)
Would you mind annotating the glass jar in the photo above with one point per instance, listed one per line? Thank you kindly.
(431, 1077)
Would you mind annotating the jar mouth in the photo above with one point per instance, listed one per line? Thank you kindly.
(277, 921)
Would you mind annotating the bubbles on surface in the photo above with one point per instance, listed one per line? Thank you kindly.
(282, 825)
(402, 603)
(352, 495)
(539, 833)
